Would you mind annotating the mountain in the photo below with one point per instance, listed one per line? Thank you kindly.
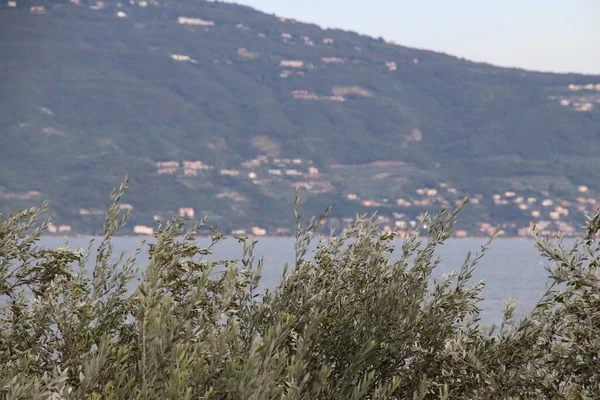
(216, 108)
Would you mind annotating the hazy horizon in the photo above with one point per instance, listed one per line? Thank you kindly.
(543, 35)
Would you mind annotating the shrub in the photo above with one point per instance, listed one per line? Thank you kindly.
(347, 323)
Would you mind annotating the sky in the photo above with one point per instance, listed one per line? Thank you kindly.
(542, 35)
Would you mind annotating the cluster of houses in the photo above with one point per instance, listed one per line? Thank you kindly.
(306, 95)
(578, 103)
(589, 86)
(584, 101)
(29, 195)
(547, 213)
(188, 168)
(260, 170)
(64, 229)
(183, 58)
(194, 21)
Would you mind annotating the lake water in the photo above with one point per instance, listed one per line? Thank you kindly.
(511, 268)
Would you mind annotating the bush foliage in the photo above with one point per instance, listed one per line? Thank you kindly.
(345, 323)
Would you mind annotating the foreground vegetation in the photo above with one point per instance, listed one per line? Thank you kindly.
(345, 323)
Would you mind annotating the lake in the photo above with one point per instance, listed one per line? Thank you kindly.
(511, 268)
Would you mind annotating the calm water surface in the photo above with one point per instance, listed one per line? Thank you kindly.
(511, 268)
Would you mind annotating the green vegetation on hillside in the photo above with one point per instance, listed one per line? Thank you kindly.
(93, 90)
(345, 324)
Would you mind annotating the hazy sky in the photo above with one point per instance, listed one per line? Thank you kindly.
(545, 35)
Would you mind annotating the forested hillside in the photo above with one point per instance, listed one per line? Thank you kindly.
(219, 109)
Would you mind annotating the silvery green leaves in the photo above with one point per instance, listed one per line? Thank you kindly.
(359, 316)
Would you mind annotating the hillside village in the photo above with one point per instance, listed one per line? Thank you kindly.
(550, 214)
(401, 215)
(392, 188)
